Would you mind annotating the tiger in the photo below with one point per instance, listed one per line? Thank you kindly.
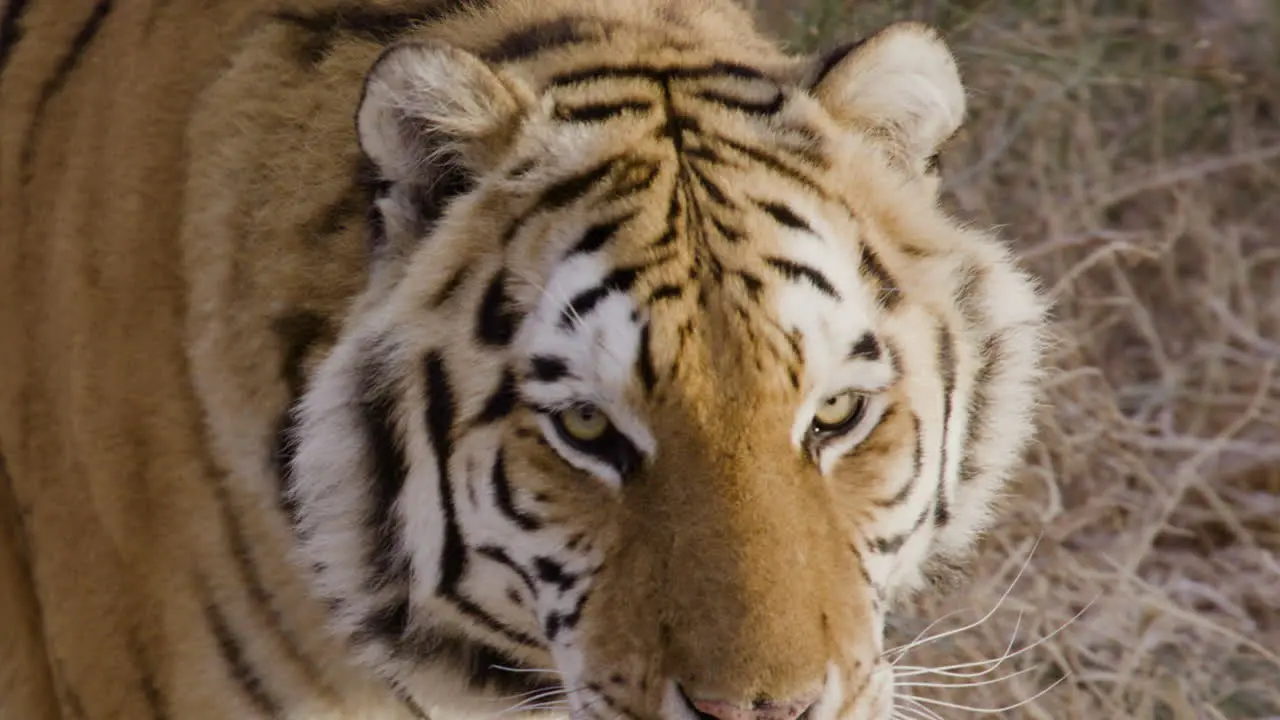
(461, 359)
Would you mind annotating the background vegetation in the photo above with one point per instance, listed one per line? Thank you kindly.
(1130, 149)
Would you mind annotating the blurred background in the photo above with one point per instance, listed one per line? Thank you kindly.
(1130, 151)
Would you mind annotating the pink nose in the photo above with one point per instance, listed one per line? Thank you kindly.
(759, 710)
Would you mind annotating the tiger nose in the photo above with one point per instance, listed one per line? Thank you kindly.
(758, 710)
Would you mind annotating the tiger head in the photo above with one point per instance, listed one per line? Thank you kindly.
(671, 376)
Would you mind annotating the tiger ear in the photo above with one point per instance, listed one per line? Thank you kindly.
(900, 84)
(430, 106)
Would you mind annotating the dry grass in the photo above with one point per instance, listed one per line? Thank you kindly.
(1131, 151)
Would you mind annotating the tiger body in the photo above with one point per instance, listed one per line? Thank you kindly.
(400, 359)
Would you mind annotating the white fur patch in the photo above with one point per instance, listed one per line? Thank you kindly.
(599, 351)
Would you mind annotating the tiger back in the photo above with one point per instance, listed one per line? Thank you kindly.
(439, 358)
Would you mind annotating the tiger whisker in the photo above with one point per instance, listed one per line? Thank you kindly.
(977, 663)
(546, 671)
(910, 670)
(534, 694)
(975, 683)
(531, 705)
(902, 650)
(922, 711)
(538, 699)
(990, 711)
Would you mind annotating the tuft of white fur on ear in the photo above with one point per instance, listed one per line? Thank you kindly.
(901, 83)
(428, 103)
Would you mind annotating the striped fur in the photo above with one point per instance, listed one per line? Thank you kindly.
(299, 293)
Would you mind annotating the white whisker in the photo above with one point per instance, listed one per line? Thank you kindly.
(990, 711)
(909, 671)
(534, 694)
(923, 710)
(903, 650)
(527, 706)
(975, 683)
(977, 663)
(546, 671)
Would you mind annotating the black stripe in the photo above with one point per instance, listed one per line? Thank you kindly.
(968, 290)
(409, 703)
(887, 295)
(753, 284)
(784, 215)
(941, 509)
(232, 653)
(261, 598)
(832, 59)
(500, 556)
(526, 42)
(866, 348)
(634, 176)
(574, 188)
(768, 108)
(775, 164)
(548, 368)
(947, 368)
(552, 572)
(389, 469)
(11, 30)
(710, 187)
(298, 331)
(335, 216)
(324, 29)
(557, 622)
(597, 235)
(666, 292)
(389, 622)
(450, 287)
(894, 543)
(54, 84)
(644, 360)
(992, 356)
(501, 402)
(497, 317)
(917, 461)
(157, 704)
(730, 234)
(582, 303)
(702, 152)
(429, 200)
(602, 111)
(644, 72)
(620, 280)
(795, 271)
(504, 499)
(441, 413)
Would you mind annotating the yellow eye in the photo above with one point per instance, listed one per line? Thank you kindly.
(584, 423)
(839, 412)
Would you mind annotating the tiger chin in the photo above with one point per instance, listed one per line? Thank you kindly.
(669, 378)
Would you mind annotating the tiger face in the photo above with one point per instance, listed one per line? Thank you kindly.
(670, 378)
